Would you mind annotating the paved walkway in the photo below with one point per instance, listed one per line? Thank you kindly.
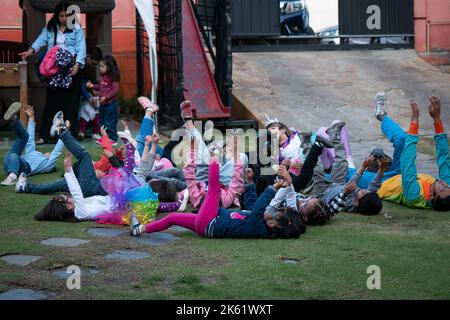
(307, 90)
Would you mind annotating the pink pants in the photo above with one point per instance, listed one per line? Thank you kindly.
(328, 155)
(195, 222)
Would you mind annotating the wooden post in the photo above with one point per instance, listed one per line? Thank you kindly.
(23, 83)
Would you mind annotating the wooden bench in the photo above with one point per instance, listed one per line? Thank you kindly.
(13, 72)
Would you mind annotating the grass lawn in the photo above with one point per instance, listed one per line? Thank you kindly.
(411, 247)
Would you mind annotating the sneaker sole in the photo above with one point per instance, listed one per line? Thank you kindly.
(12, 111)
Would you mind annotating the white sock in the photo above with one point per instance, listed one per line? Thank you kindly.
(142, 228)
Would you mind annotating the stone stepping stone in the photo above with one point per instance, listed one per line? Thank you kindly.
(127, 255)
(106, 232)
(179, 229)
(19, 260)
(156, 239)
(61, 273)
(25, 294)
(63, 242)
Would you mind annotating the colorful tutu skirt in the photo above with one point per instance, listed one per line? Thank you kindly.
(129, 195)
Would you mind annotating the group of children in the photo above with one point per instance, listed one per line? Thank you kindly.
(315, 179)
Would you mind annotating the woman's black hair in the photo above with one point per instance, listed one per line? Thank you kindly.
(165, 189)
(56, 210)
(113, 69)
(54, 21)
(289, 225)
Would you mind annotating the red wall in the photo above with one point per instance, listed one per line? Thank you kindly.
(432, 11)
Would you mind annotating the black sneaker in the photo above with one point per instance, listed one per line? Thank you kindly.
(324, 143)
(334, 132)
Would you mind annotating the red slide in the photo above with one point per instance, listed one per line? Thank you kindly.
(198, 79)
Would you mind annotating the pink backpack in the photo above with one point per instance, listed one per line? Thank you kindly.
(48, 67)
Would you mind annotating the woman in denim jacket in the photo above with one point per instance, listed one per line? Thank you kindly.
(70, 37)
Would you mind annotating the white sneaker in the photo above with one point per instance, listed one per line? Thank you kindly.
(12, 111)
(21, 183)
(135, 226)
(96, 136)
(9, 181)
(126, 138)
(58, 123)
(380, 104)
(185, 200)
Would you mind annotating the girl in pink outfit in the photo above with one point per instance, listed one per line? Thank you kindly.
(229, 194)
(108, 91)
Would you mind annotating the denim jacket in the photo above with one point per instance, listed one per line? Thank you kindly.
(74, 42)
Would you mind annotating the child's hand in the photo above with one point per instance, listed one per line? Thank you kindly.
(349, 187)
(155, 138)
(367, 162)
(103, 131)
(286, 163)
(283, 173)
(102, 99)
(435, 108)
(148, 140)
(99, 174)
(278, 184)
(29, 111)
(125, 125)
(92, 102)
(250, 174)
(414, 111)
(383, 164)
(89, 85)
(68, 162)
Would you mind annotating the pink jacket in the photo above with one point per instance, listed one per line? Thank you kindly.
(107, 88)
(48, 67)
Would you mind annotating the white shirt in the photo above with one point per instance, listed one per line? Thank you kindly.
(60, 39)
(86, 208)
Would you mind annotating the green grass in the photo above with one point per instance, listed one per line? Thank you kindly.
(412, 248)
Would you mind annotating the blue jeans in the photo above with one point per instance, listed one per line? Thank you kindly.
(108, 115)
(13, 162)
(397, 136)
(58, 186)
(83, 169)
(146, 129)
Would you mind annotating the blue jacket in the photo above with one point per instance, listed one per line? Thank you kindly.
(37, 161)
(232, 223)
(75, 42)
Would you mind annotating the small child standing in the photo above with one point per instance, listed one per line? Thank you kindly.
(107, 91)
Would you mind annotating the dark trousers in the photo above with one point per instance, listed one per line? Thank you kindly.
(109, 117)
(65, 100)
(301, 181)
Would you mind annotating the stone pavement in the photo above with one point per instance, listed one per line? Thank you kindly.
(307, 90)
